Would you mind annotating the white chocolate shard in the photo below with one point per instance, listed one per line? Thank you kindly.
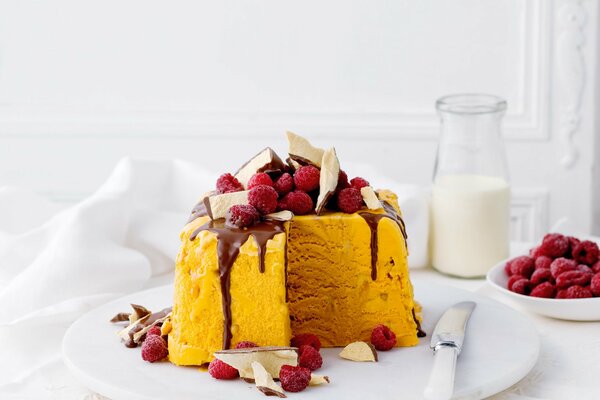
(330, 172)
(265, 161)
(271, 358)
(264, 381)
(316, 380)
(301, 151)
(359, 351)
(284, 215)
(370, 198)
(217, 206)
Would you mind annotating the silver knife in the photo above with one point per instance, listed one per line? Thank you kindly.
(446, 342)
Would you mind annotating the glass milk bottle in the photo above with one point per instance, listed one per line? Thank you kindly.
(470, 205)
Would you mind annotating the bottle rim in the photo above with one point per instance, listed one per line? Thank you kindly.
(471, 103)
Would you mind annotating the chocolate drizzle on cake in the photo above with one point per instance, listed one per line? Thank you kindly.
(229, 242)
(372, 219)
(420, 331)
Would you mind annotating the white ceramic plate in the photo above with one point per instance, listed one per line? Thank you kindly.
(501, 347)
(568, 309)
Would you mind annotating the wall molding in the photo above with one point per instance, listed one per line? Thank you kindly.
(529, 213)
(529, 121)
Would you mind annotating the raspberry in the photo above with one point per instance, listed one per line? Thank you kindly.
(154, 331)
(572, 278)
(263, 198)
(577, 292)
(535, 252)
(310, 358)
(596, 267)
(543, 262)
(545, 290)
(523, 265)
(585, 269)
(522, 286)
(350, 200)
(554, 245)
(294, 379)
(595, 285)
(561, 265)
(306, 339)
(586, 252)
(383, 338)
(154, 348)
(227, 183)
(245, 345)
(358, 183)
(219, 370)
(512, 280)
(241, 215)
(342, 181)
(284, 184)
(507, 269)
(297, 202)
(541, 275)
(561, 294)
(573, 241)
(260, 178)
(307, 178)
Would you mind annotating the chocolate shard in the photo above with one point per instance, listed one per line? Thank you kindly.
(330, 171)
(264, 381)
(294, 165)
(302, 151)
(266, 161)
(139, 312)
(272, 358)
(359, 351)
(316, 380)
(120, 317)
(131, 335)
(370, 198)
(283, 216)
(217, 206)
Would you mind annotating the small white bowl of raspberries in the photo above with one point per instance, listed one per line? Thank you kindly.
(560, 278)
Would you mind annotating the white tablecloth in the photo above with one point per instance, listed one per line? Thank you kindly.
(57, 262)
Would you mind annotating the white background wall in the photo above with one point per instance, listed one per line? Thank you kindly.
(83, 84)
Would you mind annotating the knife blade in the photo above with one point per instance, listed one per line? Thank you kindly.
(446, 342)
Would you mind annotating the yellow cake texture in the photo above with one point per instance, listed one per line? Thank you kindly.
(335, 275)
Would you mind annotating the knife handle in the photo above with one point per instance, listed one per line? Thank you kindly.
(441, 380)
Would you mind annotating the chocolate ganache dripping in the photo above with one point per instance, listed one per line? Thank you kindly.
(229, 242)
(372, 220)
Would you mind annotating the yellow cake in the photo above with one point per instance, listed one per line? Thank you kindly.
(336, 275)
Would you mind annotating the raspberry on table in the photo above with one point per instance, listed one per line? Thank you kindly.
(383, 338)
(596, 267)
(542, 262)
(297, 202)
(263, 198)
(572, 278)
(561, 265)
(245, 345)
(521, 286)
(220, 370)
(595, 285)
(522, 265)
(260, 178)
(359, 183)
(227, 183)
(309, 357)
(241, 215)
(554, 245)
(294, 379)
(350, 200)
(578, 292)
(306, 339)
(512, 280)
(541, 275)
(307, 178)
(545, 290)
(586, 252)
(284, 184)
(154, 348)
(154, 331)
